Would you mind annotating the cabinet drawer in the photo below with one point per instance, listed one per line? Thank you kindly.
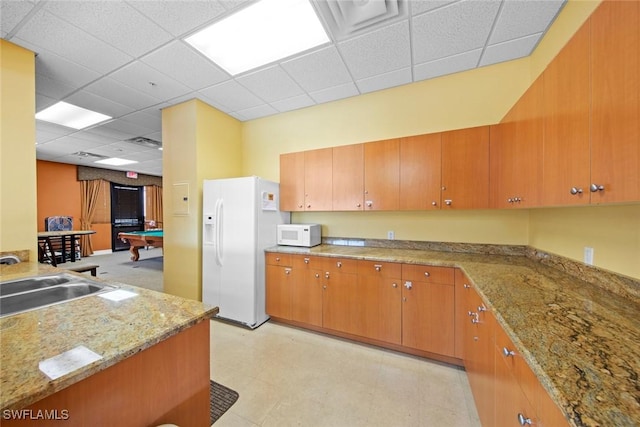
(276, 258)
(340, 265)
(428, 273)
(382, 269)
(308, 262)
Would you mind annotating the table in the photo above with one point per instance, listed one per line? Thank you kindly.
(141, 239)
(46, 248)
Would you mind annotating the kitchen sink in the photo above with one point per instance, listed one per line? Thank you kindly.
(31, 293)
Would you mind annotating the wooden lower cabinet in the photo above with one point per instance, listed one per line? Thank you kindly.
(380, 309)
(278, 290)
(306, 290)
(340, 295)
(428, 308)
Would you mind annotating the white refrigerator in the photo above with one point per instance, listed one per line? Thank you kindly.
(240, 216)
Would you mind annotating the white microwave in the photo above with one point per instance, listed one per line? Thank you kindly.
(306, 235)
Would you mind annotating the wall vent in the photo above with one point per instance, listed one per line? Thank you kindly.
(347, 18)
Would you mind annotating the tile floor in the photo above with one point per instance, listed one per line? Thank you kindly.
(290, 377)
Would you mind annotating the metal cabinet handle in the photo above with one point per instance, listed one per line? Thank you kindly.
(339, 264)
(596, 187)
(369, 203)
(278, 259)
(524, 420)
(508, 353)
(434, 203)
(326, 275)
(575, 190)
(475, 318)
(300, 206)
(395, 285)
(448, 202)
(426, 274)
(358, 205)
(317, 275)
(482, 308)
(324, 287)
(378, 267)
(287, 271)
(510, 200)
(466, 286)
(408, 285)
(306, 260)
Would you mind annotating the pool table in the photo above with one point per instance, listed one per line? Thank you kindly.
(141, 239)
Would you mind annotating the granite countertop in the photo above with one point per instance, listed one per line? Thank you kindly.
(113, 330)
(581, 339)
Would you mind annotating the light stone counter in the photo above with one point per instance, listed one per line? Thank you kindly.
(581, 339)
(114, 330)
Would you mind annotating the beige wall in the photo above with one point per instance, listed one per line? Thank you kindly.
(471, 98)
(18, 208)
(199, 143)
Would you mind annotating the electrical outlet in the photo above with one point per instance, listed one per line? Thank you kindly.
(588, 255)
(391, 235)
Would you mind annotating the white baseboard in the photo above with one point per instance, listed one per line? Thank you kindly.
(103, 252)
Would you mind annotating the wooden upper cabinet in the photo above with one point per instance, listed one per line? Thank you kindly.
(348, 177)
(318, 179)
(516, 153)
(615, 94)
(565, 179)
(292, 181)
(465, 168)
(420, 172)
(382, 175)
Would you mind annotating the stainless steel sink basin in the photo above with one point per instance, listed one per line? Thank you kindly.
(36, 292)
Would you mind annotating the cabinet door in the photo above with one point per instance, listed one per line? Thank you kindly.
(428, 308)
(510, 402)
(278, 291)
(306, 291)
(420, 172)
(348, 177)
(340, 296)
(318, 187)
(382, 175)
(292, 181)
(615, 94)
(479, 358)
(462, 290)
(465, 168)
(565, 178)
(516, 153)
(379, 308)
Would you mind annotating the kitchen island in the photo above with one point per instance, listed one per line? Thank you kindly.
(579, 333)
(152, 362)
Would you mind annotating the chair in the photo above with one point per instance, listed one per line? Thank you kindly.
(61, 223)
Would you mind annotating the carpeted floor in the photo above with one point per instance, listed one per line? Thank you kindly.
(221, 398)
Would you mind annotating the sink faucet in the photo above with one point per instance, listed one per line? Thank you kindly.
(9, 259)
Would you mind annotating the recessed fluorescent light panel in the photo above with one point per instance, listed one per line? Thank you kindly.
(70, 115)
(259, 34)
(114, 161)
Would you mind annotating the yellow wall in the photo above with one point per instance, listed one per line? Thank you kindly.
(18, 227)
(476, 97)
(199, 143)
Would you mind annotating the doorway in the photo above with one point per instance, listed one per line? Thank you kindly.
(127, 212)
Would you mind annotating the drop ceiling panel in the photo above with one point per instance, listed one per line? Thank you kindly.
(114, 22)
(318, 70)
(52, 88)
(130, 129)
(509, 50)
(256, 112)
(453, 29)
(51, 33)
(180, 17)
(118, 92)
(418, 7)
(522, 18)
(43, 101)
(46, 132)
(384, 81)
(334, 93)
(98, 103)
(67, 72)
(379, 52)
(185, 65)
(11, 13)
(271, 84)
(150, 81)
(150, 118)
(295, 103)
(232, 95)
(453, 64)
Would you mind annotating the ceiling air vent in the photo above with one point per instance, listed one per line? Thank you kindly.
(145, 142)
(90, 156)
(346, 18)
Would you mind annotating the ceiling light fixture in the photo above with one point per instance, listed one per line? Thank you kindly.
(70, 115)
(115, 161)
(259, 34)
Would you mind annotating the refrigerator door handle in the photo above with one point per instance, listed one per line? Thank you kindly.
(218, 226)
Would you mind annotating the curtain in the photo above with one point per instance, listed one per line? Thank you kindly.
(154, 205)
(88, 201)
